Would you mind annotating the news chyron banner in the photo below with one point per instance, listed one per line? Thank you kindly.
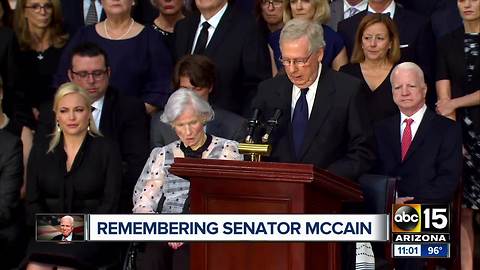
(421, 230)
(238, 227)
(61, 227)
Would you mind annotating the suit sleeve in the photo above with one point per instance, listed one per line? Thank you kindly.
(425, 52)
(11, 174)
(256, 64)
(448, 167)
(35, 201)
(113, 180)
(134, 143)
(442, 66)
(360, 155)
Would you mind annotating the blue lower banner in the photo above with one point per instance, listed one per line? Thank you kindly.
(436, 250)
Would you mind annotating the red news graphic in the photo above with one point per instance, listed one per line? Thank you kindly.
(60, 227)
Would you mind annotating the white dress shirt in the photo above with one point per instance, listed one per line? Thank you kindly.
(390, 8)
(361, 6)
(97, 113)
(417, 119)
(312, 91)
(86, 6)
(213, 21)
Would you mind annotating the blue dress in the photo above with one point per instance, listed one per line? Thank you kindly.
(141, 66)
(333, 45)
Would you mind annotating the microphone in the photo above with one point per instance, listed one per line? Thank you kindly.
(271, 124)
(252, 124)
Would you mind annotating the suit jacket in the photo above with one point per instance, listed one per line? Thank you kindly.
(433, 163)
(124, 121)
(73, 17)
(336, 13)
(8, 68)
(416, 38)
(75, 237)
(11, 178)
(225, 125)
(239, 51)
(338, 137)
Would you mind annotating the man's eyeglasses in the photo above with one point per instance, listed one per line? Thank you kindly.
(274, 3)
(299, 62)
(96, 74)
(38, 7)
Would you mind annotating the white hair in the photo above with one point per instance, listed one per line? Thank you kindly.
(299, 28)
(180, 100)
(69, 218)
(411, 67)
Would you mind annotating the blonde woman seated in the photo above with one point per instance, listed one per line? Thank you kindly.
(158, 191)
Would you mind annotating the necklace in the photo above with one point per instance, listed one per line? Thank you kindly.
(40, 56)
(122, 36)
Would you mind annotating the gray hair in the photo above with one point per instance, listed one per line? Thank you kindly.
(411, 67)
(69, 218)
(182, 98)
(298, 28)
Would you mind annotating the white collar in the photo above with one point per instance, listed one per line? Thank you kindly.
(417, 117)
(360, 6)
(215, 19)
(390, 8)
(98, 104)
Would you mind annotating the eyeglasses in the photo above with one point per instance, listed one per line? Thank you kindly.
(38, 7)
(299, 62)
(274, 3)
(97, 75)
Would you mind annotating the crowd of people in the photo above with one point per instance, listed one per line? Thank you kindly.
(89, 88)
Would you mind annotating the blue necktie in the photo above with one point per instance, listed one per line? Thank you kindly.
(300, 121)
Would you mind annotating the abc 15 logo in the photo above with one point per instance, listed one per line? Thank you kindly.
(416, 218)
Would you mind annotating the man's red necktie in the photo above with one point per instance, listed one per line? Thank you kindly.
(407, 137)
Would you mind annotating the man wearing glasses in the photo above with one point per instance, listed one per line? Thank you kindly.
(120, 118)
(324, 118)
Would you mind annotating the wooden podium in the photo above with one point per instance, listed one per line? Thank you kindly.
(225, 187)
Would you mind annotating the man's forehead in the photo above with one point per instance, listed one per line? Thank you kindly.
(80, 60)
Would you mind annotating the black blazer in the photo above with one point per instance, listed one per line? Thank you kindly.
(433, 164)
(75, 237)
(451, 66)
(73, 17)
(124, 121)
(416, 37)
(92, 185)
(8, 68)
(225, 125)
(11, 178)
(239, 51)
(339, 135)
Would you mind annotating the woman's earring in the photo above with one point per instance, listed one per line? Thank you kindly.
(88, 128)
(58, 128)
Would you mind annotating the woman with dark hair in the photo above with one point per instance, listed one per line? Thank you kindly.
(38, 26)
(142, 62)
(270, 18)
(458, 91)
(169, 13)
(79, 171)
(375, 53)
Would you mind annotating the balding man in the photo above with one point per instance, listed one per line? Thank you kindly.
(423, 148)
(324, 118)
(66, 228)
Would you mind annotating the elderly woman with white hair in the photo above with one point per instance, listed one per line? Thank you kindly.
(158, 191)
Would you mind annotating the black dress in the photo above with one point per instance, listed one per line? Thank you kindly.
(380, 103)
(168, 37)
(91, 186)
(458, 60)
(37, 70)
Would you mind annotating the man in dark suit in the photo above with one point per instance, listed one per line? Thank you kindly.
(426, 152)
(343, 9)
(197, 72)
(66, 229)
(324, 121)
(233, 41)
(79, 13)
(416, 35)
(120, 118)
(11, 179)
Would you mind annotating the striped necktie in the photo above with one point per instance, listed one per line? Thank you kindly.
(92, 17)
